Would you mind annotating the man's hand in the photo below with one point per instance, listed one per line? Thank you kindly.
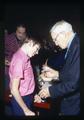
(7, 62)
(44, 77)
(44, 93)
(52, 74)
(48, 74)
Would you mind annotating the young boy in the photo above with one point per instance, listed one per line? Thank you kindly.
(22, 82)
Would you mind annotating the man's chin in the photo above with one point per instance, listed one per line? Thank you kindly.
(20, 39)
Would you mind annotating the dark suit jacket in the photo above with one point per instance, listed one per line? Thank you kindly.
(57, 61)
(69, 76)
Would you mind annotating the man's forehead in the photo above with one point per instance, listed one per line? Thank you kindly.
(53, 34)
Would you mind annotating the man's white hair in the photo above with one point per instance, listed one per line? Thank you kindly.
(61, 26)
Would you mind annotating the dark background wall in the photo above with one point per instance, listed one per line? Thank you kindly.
(41, 16)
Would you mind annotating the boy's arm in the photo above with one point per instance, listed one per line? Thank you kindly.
(18, 98)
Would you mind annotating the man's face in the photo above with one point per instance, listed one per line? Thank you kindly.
(59, 39)
(21, 33)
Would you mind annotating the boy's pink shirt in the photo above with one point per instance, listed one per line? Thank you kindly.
(20, 67)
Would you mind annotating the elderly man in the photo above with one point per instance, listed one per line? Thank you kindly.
(63, 36)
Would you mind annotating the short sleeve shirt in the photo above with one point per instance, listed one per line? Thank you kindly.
(21, 68)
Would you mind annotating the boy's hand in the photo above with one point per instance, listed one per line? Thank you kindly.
(37, 99)
(29, 113)
(44, 93)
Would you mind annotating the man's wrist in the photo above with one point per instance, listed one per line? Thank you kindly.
(57, 76)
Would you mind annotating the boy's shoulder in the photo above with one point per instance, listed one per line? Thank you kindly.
(20, 56)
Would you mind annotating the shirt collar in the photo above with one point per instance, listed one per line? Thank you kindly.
(69, 43)
(24, 54)
(70, 40)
